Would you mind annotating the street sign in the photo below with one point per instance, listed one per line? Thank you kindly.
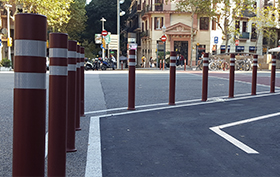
(216, 39)
(236, 42)
(104, 33)
(163, 38)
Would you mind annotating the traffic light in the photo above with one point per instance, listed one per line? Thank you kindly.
(10, 42)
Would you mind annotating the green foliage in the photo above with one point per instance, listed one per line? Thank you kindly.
(6, 63)
(265, 22)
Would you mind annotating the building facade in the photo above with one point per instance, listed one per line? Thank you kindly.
(148, 17)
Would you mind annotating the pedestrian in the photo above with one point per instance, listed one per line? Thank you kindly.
(113, 61)
(178, 60)
(143, 61)
(182, 60)
(151, 62)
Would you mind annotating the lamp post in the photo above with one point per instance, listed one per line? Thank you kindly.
(118, 30)
(7, 6)
(103, 51)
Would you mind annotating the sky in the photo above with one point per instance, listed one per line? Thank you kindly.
(88, 1)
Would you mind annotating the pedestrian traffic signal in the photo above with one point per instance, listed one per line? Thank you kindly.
(10, 42)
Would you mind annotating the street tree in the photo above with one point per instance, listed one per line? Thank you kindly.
(265, 23)
(77, 20)
(56, 11)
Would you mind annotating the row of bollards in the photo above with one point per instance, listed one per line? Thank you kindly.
(66, 97)
(172, 78)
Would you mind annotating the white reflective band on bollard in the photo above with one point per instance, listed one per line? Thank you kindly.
(205, 59)
(255, 64)
(81, 64)
(71, 54)
(29, 80)
(58, 70)
(78, 65)
(255, 59)
(205, 64)
(83, 56)
(232, 64)
(131, 56)
(58, 52)
(72, 67)
(273, 64)
(232, 59)
(273, 59)
(172, 64)
(172, 58)
(32, 48)
(131, 63)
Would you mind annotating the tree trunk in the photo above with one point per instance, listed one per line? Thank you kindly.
(191, 37)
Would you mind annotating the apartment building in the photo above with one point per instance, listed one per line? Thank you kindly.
(148, 17)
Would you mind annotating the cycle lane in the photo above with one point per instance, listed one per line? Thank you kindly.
(178, 141)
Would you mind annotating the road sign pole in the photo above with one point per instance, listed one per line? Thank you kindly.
(57, 104)
(29, 125)
(205, 77)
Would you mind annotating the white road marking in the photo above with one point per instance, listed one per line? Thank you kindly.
(210, 100)
(94, 155)
(233, 140)
(94, 163)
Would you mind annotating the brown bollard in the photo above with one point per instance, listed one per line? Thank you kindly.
(254, 75)
(205, 77)
(78, 89)
(72, 79)
(231, 76)
(82, 81)
(58, 72)
(273, 69)
(163, 64)
(131, 80)
(159, 64)
(172, 78)
(121, 65)
(185, 64)
(29, 118)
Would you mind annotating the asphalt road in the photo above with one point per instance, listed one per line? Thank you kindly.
(162, 140)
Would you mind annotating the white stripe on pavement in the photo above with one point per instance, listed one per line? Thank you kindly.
(233, 140)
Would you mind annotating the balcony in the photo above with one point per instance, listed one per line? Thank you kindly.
(158, 7)
(244, 36)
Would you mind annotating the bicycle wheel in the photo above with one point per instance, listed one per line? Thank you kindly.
(247, 67)
(225, 66)
(212, 66)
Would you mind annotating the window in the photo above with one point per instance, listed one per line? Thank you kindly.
(158, 23)
(204, 23)
(244, 27)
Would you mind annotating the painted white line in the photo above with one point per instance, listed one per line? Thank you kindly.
(233, 140)
(94, 155)
(237, 97)
(94, 162)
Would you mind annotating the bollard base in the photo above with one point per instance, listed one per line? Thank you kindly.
(83, 115)
(78, 129)
(131, 109)
(204, 100)
(171, 104)
(71, 150)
